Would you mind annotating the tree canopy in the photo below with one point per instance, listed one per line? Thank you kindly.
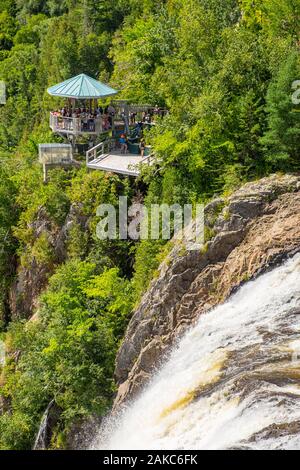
(225, 71)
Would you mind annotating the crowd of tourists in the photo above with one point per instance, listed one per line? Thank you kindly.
(87, 117)
(148, 116)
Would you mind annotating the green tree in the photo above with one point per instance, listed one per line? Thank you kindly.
(8, 244)
(66, 354)
(281, 141)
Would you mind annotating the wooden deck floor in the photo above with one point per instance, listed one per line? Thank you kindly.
(117, 163)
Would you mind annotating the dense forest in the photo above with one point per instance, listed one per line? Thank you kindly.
(224, 70)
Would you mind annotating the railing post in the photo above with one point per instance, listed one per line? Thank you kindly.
(98, 125)
(75, 125)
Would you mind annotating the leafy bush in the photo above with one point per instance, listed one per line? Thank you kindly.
(66, 354)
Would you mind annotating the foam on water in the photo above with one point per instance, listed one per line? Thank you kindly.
(231, 382)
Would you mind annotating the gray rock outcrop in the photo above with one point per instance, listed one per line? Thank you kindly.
(256, 227)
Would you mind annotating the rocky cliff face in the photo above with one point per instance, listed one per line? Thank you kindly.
(257, 227)
(32, 278)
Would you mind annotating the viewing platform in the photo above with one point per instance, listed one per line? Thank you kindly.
(76, 126)
(106, 157)
(84, 117)
(55, 154)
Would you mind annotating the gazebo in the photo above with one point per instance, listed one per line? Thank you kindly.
(80, 115)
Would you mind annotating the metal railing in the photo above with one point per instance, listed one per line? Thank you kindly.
(148, 159)
(100, 151)
(56, 160)
(80, 125)
(145, 161)
(55, 154)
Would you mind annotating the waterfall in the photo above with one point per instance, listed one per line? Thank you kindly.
(47, 424)
(232, 382)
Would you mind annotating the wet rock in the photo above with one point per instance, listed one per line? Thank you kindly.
(79, 435)
(294, 311)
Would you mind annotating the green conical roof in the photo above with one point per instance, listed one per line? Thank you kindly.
(81, 87)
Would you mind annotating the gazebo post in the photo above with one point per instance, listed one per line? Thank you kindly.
(45, 173)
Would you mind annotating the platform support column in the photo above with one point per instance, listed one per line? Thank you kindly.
(45, 172)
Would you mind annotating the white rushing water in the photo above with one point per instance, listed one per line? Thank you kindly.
(231, 382)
